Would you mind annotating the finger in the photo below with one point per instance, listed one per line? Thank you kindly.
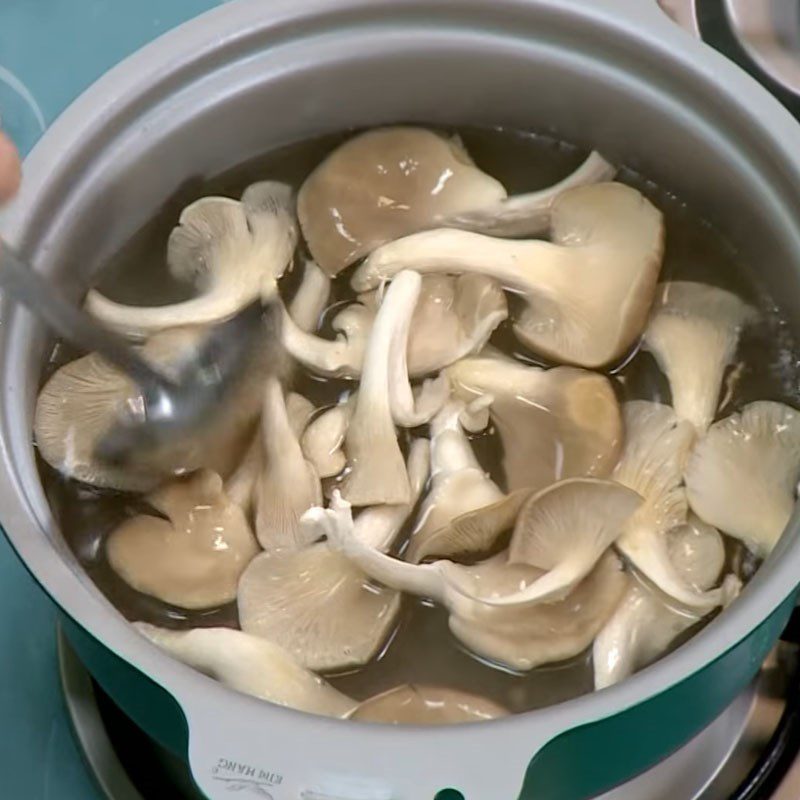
(10, 169)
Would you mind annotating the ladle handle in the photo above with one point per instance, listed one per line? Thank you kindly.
(27, 286)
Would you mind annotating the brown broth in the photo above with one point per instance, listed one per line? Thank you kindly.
(422, 649)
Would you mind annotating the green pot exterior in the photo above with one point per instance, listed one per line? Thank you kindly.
(576, 765)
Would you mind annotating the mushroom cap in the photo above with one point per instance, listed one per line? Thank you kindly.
(229, 249)
(193, 559)
(693, 333)
(741, 476)
(553, 424)
(411, 704)
(697, 551)
(85, 398)
(587, 294)
(251, 665)
(322, 440)
(384, 184)
(318, 606)
(523, 638)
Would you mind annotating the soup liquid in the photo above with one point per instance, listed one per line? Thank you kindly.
(422, 650)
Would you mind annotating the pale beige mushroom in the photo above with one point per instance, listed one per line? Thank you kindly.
(693, 333)
(84, 399)
(287, 484)
(316, 603)
(657, 445)
(519, 636)
(194, 557)
(564, 530)
(553, 424)
(252, 666)
(644, 626)
(383, 184)
(587, 294)
(742, 476)
(377, 473)
(233, 251)
(323, 439)
(411, 704)
(311, 298)
(464, 511)
(454, 317)
(389, 182)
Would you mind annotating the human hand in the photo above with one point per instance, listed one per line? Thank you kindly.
(10, 169)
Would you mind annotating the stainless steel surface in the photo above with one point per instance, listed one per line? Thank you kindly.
(606, 73)
(769, 31)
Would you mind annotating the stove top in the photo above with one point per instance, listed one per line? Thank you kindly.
(40, 759)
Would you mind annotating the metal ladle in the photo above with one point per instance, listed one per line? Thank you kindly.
(171, 411)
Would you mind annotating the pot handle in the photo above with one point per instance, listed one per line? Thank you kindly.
(709, 21)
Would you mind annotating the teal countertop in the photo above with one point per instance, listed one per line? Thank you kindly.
(50, 51)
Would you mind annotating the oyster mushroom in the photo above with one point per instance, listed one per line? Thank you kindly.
(85, 398)
(529, 214)
(587, 294)
(656, 448)
(390, 182)
(252, 666)
(564, 530)
(383, 184)
(194, 557)
(322, 440)
(231, 250)
(454, 317)
(464, 510)
(320, 606)
(377, 473)
(693, 333)
(519, 636)
(241, 485)
(741, 476)
(553, 424)
(311, 297)
(342, 357)
(426, 705)
(644, 626)
(288, 484)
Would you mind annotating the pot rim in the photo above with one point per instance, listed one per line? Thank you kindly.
(184, 52)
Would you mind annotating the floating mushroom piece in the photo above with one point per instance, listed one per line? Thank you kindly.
(411, 704)
(464, 511)
(553, 424)
(587, 293)
(342, 357)
(252, 666)
(232, 251)
(693, 333)
(519, 636)
(390, 182)
(564, 530)
(383, 184)
(644, 626)
(742, 475)
(454, 317)
(287, 485)
(529, 214)
(377, 473)
(311, 298)
(657, 446)
(323, 439)
(316, 603)
(194, 557)
(85, 398)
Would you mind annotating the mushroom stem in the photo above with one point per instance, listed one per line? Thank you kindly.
(311, 297)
